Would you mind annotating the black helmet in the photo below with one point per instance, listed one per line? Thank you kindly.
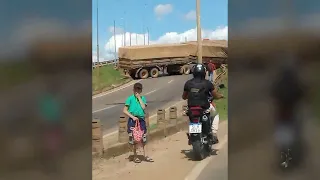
(199, 71)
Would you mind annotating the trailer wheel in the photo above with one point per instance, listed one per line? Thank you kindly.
(154, 72)
(143, 74)
(185, 69)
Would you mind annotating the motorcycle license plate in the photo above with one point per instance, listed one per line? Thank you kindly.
(195, 128)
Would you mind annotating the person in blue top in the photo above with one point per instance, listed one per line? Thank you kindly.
(135, 109)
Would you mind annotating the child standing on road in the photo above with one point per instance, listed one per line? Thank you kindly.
(135, 109)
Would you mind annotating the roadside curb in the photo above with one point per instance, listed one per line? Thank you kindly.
(157, 134)
(112, 138)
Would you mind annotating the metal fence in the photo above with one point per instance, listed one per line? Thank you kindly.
(104, 63)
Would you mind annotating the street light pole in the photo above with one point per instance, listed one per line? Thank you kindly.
(124, 28)
(148, 36)
(199, 38)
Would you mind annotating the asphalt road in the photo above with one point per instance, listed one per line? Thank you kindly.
(217, 167)
(159, 93)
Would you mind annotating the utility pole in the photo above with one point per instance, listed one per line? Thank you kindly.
(98, 57)
(130, 37)
(115, 41)
(199, 38)
(122, 34)
(148, 36)
(144, 25)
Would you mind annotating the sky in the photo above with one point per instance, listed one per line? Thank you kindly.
(171, 21)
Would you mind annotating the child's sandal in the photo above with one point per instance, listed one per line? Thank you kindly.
(148, 159)
(137, 160)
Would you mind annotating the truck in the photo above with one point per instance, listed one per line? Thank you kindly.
(141, 62)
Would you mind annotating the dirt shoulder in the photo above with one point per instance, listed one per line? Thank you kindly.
(172, 158)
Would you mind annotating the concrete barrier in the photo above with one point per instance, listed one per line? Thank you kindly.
(123, 135)
(155, 134)
(97, 140)
(164, 127)
(173, 115)
(161, 120)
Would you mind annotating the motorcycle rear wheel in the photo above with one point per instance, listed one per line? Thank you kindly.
(198, 150)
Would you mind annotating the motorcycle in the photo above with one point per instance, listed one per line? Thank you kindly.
(200, 131)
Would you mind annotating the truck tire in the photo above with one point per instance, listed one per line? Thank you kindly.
(143, 74)
(185, 69)
(154, 72)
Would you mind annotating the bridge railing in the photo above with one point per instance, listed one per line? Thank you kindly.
(104, 63)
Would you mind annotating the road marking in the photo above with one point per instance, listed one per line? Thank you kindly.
(170, 81)
(110, 134)
(155, 114)
(104, 109)
(99, 110)
(116, 89)
(196, 171)
(151, 92)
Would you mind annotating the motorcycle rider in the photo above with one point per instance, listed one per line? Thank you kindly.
(198, 91)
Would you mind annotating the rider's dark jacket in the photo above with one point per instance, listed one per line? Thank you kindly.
(198, 92)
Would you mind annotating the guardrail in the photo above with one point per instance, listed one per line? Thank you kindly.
(219, 79)
(103, 63)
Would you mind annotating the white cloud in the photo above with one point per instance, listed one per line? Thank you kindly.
(191, 15)
(170, 37)
(118, 30)
(163, 9)
(94, 57)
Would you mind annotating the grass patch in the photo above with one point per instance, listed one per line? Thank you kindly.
(222, 104)
(108, 76)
